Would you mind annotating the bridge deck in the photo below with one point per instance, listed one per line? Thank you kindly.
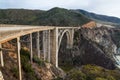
(8, 32)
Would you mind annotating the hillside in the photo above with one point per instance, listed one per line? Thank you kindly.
(99, 18)
(52, 17)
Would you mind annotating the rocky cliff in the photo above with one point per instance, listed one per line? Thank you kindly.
(97, 47)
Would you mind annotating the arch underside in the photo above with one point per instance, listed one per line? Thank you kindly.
(69, 38)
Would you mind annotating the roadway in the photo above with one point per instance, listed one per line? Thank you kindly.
(8, 32)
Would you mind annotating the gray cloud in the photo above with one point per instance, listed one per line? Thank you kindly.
(107, 7)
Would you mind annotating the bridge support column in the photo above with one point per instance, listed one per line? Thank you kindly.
(38, 44)
(44, 45)
(49, 51)
(18, 56)
(1, 56)
(31, 49)
(56, 46)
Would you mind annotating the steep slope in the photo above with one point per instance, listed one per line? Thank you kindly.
(97, 17)
(53, 17)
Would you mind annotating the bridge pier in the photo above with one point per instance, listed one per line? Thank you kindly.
(31, 48)
(44, 45)
(18, 56)
(49, 51)
(38, 44)
(1, 56)
(54, 47)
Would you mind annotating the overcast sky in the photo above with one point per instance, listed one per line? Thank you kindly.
(106, 7)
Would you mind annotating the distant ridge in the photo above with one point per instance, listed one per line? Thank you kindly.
(99, 18)
(53, 17)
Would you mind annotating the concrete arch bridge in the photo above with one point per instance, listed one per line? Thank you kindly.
(51, 40)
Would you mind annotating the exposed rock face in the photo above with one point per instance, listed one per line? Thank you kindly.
(97, 47)
(90, 24)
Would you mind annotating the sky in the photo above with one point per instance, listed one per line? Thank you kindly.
(105, 7)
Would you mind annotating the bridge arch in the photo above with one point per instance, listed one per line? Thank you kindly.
(69, 38)
(69, 33)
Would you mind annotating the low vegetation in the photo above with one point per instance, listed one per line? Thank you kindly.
(38, 61)
(67, 68)
(15, 72)
(92, 72)
(29, 73)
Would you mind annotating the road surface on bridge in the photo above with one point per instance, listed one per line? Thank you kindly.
(8, 32)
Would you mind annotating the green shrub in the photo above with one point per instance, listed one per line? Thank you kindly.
(77, 75)
(25, 53)
(110, 78)
(89, 77)
(15, 72)
(38, 61)
(66, 68)
(28, 68)
(94, 71)
(58, 78)
(31, 76)
(99, 78)
(26, 65)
